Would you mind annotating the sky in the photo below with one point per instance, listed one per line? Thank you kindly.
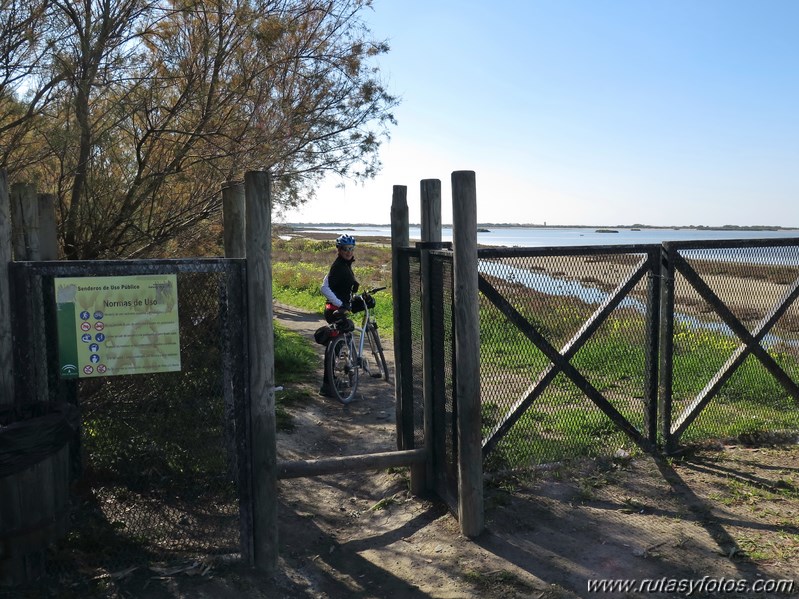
(587, 112)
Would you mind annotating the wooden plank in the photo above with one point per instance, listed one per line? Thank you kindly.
(373, 461)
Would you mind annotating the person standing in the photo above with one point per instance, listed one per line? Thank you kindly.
(338, 286)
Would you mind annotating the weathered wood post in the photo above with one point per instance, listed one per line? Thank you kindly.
(262, 369)
(235, 246)
(467, 353)
(233, 227)
(403, 370)
(25, 219)
(48, 231)
(430, 197)
(6, 348)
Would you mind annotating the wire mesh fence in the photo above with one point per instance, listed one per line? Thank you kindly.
(558, 295)
(161, 455)
(600, 309)
(728, 386)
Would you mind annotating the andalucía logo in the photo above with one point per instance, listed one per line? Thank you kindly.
(69, 369)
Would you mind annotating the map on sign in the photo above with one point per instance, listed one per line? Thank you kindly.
(117, 325)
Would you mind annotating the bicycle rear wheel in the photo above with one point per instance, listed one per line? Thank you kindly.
(380, 370)
(343, 368)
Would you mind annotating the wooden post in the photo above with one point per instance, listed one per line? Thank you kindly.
(430, 194)
(25, 221)
(48, 231)
(6, 347)
(262, 369)
(666, 347)
(233, 211)
(235, 246)
(467, 353)
(403, 369)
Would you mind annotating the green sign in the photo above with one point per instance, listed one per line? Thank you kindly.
(117, 325)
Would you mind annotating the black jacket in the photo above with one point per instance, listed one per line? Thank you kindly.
(341, 279)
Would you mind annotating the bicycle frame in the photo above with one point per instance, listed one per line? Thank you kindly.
(351, 367)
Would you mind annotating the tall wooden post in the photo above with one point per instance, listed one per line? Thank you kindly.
(6, 348)
(403, 370)
(262, 369)
(430, 195)
(48, 231)
(233, 212)
(467, 353)
(25, 219)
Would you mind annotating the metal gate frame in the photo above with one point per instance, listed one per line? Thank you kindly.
(672, 263)
(660, 262)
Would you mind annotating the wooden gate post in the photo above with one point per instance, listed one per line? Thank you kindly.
(262, 370)
(233, 221)
(430, 194)
(6, 349)
(48, 232)
(25, 221)
(403, 366)
(467, 353)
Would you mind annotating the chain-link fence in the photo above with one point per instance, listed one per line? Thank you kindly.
(533, 411)
(160, 455)
(733, 343)
(576, 352)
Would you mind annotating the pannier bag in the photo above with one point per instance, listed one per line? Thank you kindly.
(345, 325)
(358, 303)
(322, 335)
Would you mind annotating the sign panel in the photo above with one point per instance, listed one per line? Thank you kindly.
(117, 325)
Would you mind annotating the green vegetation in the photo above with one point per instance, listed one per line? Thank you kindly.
(299, 265)
(563, 423)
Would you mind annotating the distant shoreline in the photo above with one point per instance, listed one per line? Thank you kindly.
(540, 226)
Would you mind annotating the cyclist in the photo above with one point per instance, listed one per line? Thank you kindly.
(338, 286)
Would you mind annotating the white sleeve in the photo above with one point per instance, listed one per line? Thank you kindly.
(328, 293)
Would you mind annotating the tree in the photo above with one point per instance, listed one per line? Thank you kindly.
(159, 103)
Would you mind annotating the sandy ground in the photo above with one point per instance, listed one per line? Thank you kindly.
(725, 517)
(727, 512)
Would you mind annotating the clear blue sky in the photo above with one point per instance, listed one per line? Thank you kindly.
(589, 112)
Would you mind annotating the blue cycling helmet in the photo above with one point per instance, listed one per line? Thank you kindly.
(345, 240)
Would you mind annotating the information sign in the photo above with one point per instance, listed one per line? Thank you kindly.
(117, 325)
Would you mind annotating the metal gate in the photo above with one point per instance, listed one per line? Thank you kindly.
(578, 345)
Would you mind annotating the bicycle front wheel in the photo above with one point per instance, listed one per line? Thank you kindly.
(380, 371)
(343, 368)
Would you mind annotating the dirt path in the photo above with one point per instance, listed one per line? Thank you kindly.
(363, 534)
(710, 525)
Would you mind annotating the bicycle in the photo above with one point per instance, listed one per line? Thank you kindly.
(345, 352)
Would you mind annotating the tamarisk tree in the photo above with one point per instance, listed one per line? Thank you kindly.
(146, 107)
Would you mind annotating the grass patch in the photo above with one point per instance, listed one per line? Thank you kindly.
(294, 356)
